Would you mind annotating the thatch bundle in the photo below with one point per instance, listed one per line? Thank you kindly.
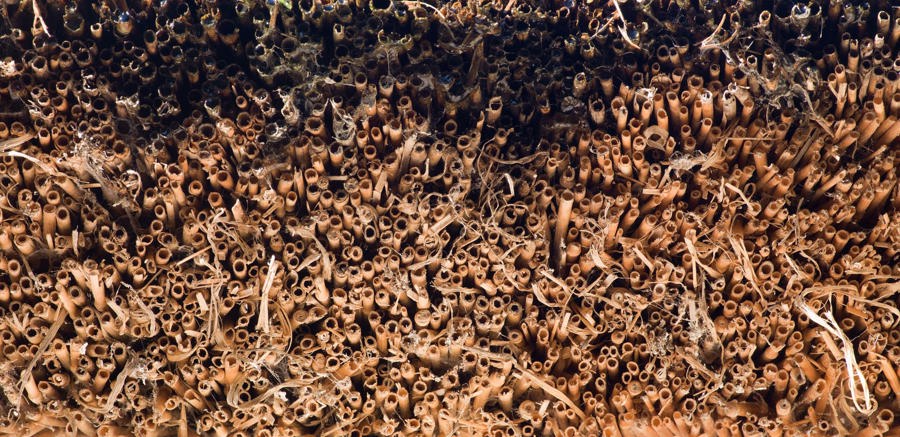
(504, 218)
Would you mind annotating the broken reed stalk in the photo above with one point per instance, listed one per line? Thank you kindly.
(855, 376)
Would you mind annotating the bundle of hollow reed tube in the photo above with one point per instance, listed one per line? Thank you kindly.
(483, 218)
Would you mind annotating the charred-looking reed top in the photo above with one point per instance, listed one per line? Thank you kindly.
(482, 218)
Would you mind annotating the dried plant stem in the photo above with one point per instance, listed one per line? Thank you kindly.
(27, 375)
(855, 375)
(38, 17)
(263, 323)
